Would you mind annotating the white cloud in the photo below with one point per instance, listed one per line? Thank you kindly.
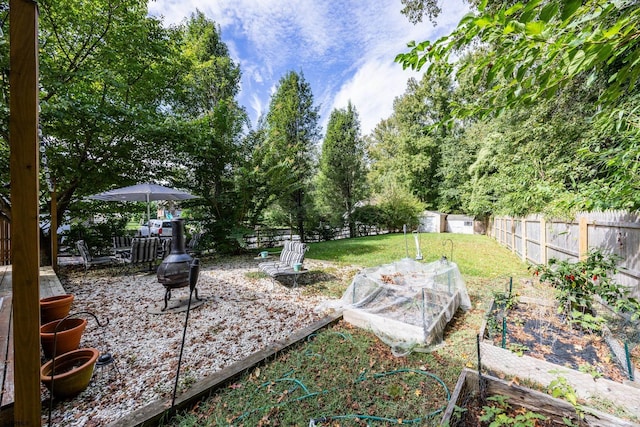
(372, 91)
(257, 105)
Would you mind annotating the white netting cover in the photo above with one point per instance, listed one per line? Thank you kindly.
(407, 304)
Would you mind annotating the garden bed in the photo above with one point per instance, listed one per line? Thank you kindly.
(540, 347)
(470, 401)
(535, 329)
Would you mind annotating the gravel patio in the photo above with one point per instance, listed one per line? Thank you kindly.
(241, 314)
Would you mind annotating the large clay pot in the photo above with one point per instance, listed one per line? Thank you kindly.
(54, 308)
(72, 374)
(67, 337)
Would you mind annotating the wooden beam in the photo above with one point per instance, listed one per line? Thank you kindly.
(25, 245)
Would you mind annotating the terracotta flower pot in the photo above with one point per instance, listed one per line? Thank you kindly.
(54, 308)
(72, 374)
(67, 337)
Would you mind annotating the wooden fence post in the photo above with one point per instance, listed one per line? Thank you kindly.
(543, 241)
(583, 238)
(53, 231)
(513, 236)
(524, 239)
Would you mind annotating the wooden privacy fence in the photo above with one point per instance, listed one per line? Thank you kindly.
(5, 242)
(536, 239)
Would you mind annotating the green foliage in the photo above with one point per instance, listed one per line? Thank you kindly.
(531, 73)
(415, 9)
(98, 235)
(506, 300)
(539, 47)
(559, 387)
(405, 150)
(342, 177)
(587, 321)
(498, 414)
(103, 71)
(203, 143)
(612, 149)
(591, 370)
(577, 284)
(370, 216)
(399, 207)
(514, 170)
(292, 134)
(517, 349)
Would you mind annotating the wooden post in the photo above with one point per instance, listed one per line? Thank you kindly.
(583, 238)
(513, 236)
(25, 245)
(524, 239)
(543, 241)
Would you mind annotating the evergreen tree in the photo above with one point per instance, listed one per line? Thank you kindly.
(342, 177)
(293, 134)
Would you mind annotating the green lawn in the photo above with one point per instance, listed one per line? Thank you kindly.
(476, 255)
(348, 375)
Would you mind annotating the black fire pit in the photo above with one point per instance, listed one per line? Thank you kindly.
(173, 272)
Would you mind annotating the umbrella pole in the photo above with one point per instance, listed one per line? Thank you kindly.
(148, 215)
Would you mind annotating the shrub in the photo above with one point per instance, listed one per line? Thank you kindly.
(578, 283)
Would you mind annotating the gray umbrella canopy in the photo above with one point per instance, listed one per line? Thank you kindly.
(142, 193)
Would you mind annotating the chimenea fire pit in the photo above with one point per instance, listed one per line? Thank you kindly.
(174, 270)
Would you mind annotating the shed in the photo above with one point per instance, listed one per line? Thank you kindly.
(461, 224)
(432, 222)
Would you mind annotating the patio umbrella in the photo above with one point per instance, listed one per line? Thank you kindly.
(143, 193)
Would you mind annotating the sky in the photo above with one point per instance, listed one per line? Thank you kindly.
(344, 48)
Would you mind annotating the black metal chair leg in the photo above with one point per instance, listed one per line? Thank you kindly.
(167, 297)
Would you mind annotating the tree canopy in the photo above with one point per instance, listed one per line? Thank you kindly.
(527, 106)
(545, 107)
(539, 47)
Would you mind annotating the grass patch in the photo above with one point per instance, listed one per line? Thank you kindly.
(255, 275)
(475, 255)
(336, 377)
(348, 375)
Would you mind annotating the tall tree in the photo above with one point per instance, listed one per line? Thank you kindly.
(529, 55)
(408, 144)
(293, 135)
(210, 151)
(342, 174)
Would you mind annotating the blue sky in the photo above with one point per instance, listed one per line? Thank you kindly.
(344, 48)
